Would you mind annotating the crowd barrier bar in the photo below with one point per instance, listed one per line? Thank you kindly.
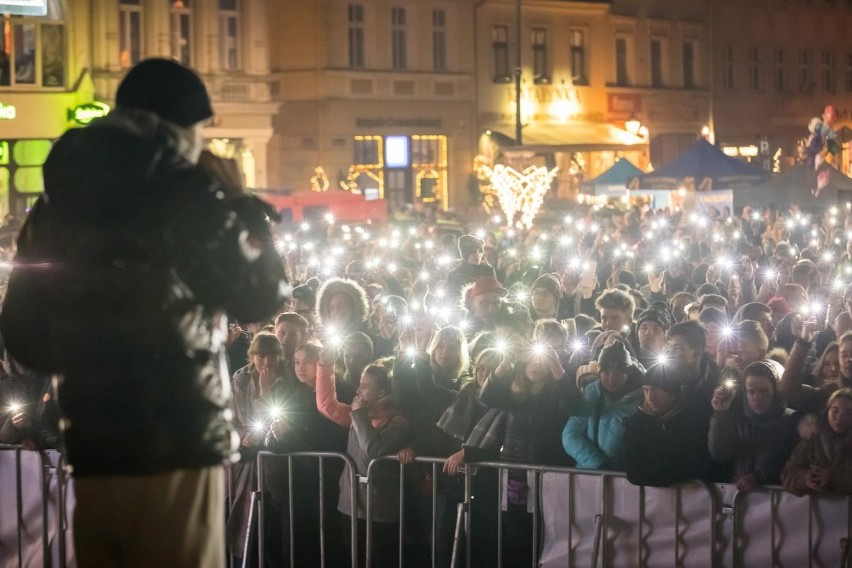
(62, 510)
(19, 501)
(349, 469)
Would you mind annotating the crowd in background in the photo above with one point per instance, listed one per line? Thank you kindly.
(668, 345)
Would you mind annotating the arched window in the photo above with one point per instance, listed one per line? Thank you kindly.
(180, 30)
(33, 49)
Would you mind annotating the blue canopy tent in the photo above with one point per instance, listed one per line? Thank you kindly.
(612, 182)
(703, 168)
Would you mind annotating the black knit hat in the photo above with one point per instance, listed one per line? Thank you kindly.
(658, 312)
(305, 294)
(168, 89)
(614, 357)
(662, 377)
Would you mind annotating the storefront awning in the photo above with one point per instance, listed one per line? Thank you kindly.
(572, 137)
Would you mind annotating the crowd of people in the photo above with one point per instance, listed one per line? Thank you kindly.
(666, 345)
(670, 346)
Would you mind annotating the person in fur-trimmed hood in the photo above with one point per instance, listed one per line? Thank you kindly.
(342, 307)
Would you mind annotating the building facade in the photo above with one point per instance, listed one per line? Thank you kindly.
(379, 94)
(54, 67)
(593, 76)
(776, 65)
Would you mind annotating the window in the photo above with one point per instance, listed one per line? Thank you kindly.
(779, 78)
(180, 30)
(621, 75)
(398, 39)
(32, 49)
(367, 151)
(130, 32)
(439, 40)
(688, 65)
(541, 76)
(356, 36)
(849, 72)
(728, 73)
(229, 34)
(804, 70)
(754, 69)
(500, 54)
(827, 71)
(656, 63)
(578, 58)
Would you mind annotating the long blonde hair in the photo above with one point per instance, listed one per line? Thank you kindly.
(455, 335)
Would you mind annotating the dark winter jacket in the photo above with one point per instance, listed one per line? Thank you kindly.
(375, 433)
(669, 449)
(130, 262)
(423, 399)
(533, 432)
(759, 445)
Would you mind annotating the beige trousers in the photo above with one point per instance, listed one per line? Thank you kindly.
(173, 519)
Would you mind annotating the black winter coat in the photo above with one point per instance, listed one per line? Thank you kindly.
(669, 449)
(128, 266)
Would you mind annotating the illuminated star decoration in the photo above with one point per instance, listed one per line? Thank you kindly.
(521, 193)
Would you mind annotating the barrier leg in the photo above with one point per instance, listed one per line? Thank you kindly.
(467, 507)
(290, 508)
(434, 516)
(322, 512)
(20, 504)
(597, 542)
(261, 542)
(47, 557)
(500, 517)
(457, 535)
(62, 520)
(253, 510)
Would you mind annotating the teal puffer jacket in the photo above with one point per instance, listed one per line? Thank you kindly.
(595, 436)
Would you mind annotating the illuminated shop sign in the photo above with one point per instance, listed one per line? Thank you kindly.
(87, 112)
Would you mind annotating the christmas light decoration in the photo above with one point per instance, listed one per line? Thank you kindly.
(319, 181)
(521, 193)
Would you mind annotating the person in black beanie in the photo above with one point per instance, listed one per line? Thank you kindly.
(666, 441)
(651, 326)
(145, 246)
(594, 436)
(472, 267)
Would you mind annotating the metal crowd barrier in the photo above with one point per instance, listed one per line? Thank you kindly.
(605, 515)
(349, 469)
(810, 531)
(46, 469)
(579, 517)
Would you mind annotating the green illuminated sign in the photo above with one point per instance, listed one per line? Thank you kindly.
(87, 112)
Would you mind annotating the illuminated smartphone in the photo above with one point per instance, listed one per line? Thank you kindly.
(587, 280)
